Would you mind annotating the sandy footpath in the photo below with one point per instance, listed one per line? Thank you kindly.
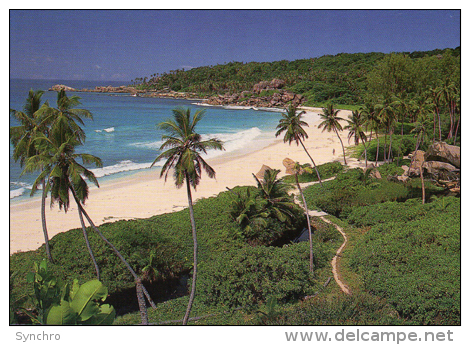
(144, 194)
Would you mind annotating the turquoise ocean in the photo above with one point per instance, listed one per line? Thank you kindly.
(123, 131)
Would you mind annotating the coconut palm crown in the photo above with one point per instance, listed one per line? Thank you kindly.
(330, 122)
(292, 123)
(184, 147)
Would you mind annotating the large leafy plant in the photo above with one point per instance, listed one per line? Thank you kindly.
(62, 304)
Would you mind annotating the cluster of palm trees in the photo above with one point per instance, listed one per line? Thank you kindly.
(47, 138)
(253, 209)
(45, 141)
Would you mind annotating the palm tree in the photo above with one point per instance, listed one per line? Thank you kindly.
(449, 92)
(386, 114)
(275, 192)
(22, 137)
(435, 98)
(64, 175)
(184, 157)
(66, 119)
(296, 169)
(373, 123)
(403, 106)
(292, 124)
(331, 123)
(249, 211)
(355, 122)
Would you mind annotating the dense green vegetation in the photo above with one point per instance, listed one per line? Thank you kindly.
(356, 188)
(411, 257)
(418, 244)
(326, 171)
(342, 79)
(402, 260)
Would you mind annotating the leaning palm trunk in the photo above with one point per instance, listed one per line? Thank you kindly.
(308, 223)
(422, 183)
(141, 300)
(43, 219)
(341, 141)
(385, 147)
(456, 130)
(439, 123)
(378, 147)
(390, 147)
(365, 150)
(314, 165)
(119, 255)
(193, 227)
(85, 235)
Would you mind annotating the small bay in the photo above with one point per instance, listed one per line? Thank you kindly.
(123, 132)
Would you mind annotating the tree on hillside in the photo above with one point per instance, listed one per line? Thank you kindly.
(330, 122)
(387, 115)
(294, 168)
(64, 175)
(183, 155)
(22, 137)
(292, 124)
(57, 160)
(274, 191)
(355, 123)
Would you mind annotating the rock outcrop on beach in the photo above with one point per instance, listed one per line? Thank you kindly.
(441, 162)
(59, 87)
(265, 94)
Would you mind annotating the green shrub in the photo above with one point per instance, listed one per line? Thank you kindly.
(251, 275)
(358, 309)
(262, 221)
(168, 236)
(350, 189)
(390, 169)
(401, 146)
(326, 170)
(411, 257)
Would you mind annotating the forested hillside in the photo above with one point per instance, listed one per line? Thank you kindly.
(342, 79)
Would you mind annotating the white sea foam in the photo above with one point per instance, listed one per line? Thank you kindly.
(153, 145)
(122, 166)
(107, 130)
(233, 141)
(23, 188)
(17, 192)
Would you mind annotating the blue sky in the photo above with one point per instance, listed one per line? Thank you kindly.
(123, 45)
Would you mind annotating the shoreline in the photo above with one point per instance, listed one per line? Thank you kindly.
(144, 194)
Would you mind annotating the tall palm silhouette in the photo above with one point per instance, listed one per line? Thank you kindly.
(386, 112)
(183, 147)
(292, 123)
(331, 123)
(22, 138)
(355, 123)
(64, 175)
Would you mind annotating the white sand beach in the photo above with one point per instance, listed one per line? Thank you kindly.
(145, 194)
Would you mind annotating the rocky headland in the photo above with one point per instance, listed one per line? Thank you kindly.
(265, 94)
